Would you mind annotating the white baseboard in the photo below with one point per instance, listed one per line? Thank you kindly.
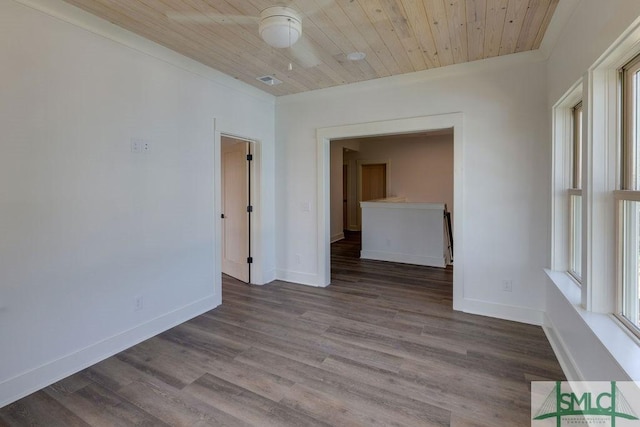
(298, 277)
(501, 311)
(567, 363)
(24, 384)
(404, 258)
(267, 277)
(337, 237)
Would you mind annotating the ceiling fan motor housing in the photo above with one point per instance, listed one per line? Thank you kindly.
(280, 26)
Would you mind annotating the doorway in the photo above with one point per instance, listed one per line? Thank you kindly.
(381, 128)
(236, 208)
(374, 182)
(345, 193)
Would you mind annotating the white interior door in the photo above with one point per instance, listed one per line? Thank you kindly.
(235, 199)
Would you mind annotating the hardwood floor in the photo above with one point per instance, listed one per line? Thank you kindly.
(379, 347)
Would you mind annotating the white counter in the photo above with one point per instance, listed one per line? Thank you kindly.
(400, 231)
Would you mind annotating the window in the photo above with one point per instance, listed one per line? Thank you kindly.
(628, 200)
(575, 195)
(609, 201)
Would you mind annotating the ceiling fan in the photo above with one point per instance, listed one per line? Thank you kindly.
(279, 26)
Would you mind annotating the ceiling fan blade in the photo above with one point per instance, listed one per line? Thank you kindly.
(208, 18)
(323, 3)
(319, 5)
(305, 53)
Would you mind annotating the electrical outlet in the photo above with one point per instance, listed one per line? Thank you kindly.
(146, 146)
(138, 304)
(507, 285)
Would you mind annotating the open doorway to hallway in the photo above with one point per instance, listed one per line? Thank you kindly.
(416, 169)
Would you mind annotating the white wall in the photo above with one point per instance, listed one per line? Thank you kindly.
(592, 28)
(587, 35)
(420, 169)
(505, 171)
(86, 225)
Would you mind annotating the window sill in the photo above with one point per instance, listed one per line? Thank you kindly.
(620, 343)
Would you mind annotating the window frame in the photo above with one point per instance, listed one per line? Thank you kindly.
(628, 167)
(576, 145)
(562, 178)
(575, 192)
(628, 190)
(596, 301)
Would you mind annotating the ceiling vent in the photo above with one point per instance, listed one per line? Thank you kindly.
(269, 80)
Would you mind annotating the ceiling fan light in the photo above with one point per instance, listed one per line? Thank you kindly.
(280, 27)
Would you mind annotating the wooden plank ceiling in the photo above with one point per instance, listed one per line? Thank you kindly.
(398, 36)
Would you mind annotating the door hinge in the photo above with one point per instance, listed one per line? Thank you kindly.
(249, 157)
(250, 260)
(249, 208)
